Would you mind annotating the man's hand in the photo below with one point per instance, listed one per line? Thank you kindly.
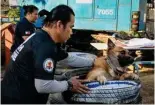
(77, 85)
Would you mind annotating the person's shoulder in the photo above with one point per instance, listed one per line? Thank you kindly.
(40, 43)
(24, 23)
(21, 24)
(40, 34)
(42, 38)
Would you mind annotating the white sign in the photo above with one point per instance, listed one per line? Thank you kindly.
(105, 11)
(84, 1)
(13, 3)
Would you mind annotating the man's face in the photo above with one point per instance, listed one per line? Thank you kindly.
(66, 32)
(34, 15)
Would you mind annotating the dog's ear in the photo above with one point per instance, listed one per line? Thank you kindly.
(110, 43)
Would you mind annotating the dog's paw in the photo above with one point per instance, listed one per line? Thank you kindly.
(135, 76)
(101, 79)
(129, 76)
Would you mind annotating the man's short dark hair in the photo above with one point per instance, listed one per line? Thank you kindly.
(43, 12)
(29, 9)
(60, 12)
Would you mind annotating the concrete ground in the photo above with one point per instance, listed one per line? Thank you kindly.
(147, 90)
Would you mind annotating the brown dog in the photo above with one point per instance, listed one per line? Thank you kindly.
(113, 66)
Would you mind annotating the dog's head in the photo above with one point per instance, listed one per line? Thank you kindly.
(120, 53)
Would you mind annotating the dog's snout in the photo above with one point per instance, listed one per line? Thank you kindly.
(125, 60)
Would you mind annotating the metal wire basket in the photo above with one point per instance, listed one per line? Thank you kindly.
(111, 92)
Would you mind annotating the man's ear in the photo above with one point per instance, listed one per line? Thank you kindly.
(29, 13)
(59, 24)
(110, 44)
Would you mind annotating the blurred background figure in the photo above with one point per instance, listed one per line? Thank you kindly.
(25, 26)
(42, 15)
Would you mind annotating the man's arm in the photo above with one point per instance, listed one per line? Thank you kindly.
(53, 86)
(45, 65)
(25, 30)
(76, 61)
(50, 86)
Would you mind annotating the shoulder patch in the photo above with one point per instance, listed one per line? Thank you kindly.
(27, 32)
(48, 65)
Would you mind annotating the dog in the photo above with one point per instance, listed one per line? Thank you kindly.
(113, 66)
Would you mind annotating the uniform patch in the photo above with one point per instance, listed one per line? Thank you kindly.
(48, 65)
(27, 32)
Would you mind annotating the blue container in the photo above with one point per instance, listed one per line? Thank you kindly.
(111, 15)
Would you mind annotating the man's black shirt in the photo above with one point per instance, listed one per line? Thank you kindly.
(23, 28)
(35, 58)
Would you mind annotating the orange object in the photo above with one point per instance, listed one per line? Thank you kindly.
(7, 32)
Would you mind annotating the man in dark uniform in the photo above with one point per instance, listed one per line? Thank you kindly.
(29, 77)
(25, 27)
